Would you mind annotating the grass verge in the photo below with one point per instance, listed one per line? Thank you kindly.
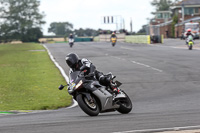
(29, 79)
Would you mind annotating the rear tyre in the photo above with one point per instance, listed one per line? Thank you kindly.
(90, 108)
(125, 105)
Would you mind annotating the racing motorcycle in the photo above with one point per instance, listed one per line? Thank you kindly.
(94, 98)
(190, 42)
(71, 42)
(113, 41)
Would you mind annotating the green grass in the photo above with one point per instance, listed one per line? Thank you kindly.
(29, 79)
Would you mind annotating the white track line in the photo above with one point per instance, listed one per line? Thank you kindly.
(175, 47)
(63, 74)
(128, 48)
(57, 65)
(160, 129)
(138, 63)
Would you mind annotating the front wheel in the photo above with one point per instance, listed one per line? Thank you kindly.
(113, 44)
(89, 107)
(190, 47)
(71, 44)
(125, 105)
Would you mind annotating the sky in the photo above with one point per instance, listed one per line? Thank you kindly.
(90, 13)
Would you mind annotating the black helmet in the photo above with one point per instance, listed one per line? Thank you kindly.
(72, 60)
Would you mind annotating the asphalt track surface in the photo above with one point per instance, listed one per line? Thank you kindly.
(162, 80)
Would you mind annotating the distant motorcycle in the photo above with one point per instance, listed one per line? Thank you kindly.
(190, 42)
(94, 98)
(113, 41)
(71, 42)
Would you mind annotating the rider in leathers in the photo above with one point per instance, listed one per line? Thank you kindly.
(71, 36)
(77, 64)
(188, 34)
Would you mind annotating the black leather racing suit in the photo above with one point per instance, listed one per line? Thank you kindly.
(113, 36)
(85, 64)
(71, 37)
(189, 33)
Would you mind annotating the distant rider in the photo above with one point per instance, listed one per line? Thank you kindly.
(188, 34)
(113, 35)
(77, 64)
(71, 36)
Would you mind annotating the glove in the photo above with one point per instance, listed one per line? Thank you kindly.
(90, 75)
(108, 79)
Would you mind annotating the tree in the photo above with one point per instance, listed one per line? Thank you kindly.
(32, 35)
(174, 22)
(86, 32)
(18, 17)
(142, 30)
(61, 28)
(161, 5)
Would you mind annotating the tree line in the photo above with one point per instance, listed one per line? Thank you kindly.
(66, 28)
(21, 20)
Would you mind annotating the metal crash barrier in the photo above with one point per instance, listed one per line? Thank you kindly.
(83, 39)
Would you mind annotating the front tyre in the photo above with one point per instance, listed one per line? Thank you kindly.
(89, 107)
(113, 44)
(71, 44)
(190, 47)
(125, 105)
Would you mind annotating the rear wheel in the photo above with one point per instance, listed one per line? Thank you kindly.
(89, 107)
(125, 105)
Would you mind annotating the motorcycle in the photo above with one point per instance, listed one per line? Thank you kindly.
(94, 98)
(113, 40)
(71, 42)
(190, 42)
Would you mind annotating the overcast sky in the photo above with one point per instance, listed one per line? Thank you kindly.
(90, 13)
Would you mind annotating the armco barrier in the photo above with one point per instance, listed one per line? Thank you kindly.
(83, 39)
(106, 37)
(96, 39)
(145, 39)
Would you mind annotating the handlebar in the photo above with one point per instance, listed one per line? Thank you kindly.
(62, 86)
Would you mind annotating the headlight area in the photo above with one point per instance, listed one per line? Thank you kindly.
(79, 84)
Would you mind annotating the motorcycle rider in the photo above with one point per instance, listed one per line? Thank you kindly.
(188, 34)
(71, 36)
(113, 35)
(86, 65)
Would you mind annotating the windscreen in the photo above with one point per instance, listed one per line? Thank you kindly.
(74, 75)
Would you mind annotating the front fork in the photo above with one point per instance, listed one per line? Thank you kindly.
(87, 95)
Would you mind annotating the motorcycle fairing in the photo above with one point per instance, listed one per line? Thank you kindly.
(105, 98)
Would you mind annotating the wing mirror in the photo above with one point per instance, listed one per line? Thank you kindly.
(61, 87)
